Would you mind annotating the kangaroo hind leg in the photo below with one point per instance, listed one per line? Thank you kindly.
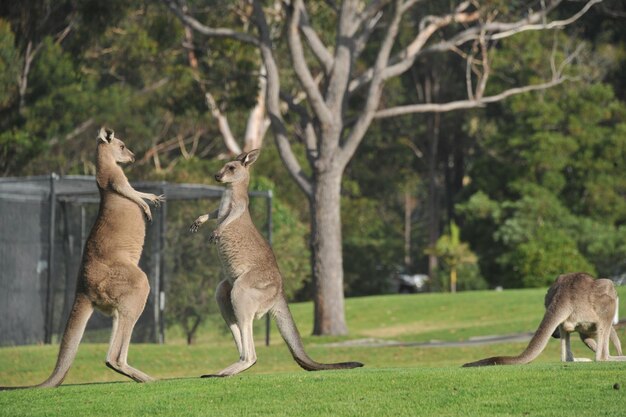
(222, 295)
(124, 318)
(245, 305)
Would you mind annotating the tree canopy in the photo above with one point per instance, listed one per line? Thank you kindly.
(415, 139)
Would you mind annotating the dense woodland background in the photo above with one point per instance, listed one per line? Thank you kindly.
(534, 184)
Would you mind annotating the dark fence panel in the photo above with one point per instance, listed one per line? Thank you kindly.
(23, 269)
(41, 250)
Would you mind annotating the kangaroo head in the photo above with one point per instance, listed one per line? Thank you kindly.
(238, 170)
(108, 143)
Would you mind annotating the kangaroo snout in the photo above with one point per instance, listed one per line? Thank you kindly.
(218, 177)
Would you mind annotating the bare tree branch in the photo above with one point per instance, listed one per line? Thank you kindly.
(493, 30)
(464, 104)
(167, 146)
(372, 9)
(81, 128)
(403, 61)
(301, 69)
(340, 75)
(273, 103)
(223, 125)
(468, 77)
(320, 51)
(373, 97)
(183, 147)
(543, 26)
(360, 41)
(22, 78)
(206, 30)
(570, 58)
(486, 68)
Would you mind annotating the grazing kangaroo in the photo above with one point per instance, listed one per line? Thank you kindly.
(253, 284)
(574, 303)
(109, 278)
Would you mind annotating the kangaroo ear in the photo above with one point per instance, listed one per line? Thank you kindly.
(248, 159)
(105, 135)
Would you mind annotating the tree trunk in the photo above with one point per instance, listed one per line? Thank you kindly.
(453, 279)
(326, 254)
(433, 198)
(409, 206)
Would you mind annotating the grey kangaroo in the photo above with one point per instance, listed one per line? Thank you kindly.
(253, 284)
(576, 302)
(109, 278)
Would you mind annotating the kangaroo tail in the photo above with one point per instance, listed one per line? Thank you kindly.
(76, 323)
(81, 311)
(289, 332)
(537, 344)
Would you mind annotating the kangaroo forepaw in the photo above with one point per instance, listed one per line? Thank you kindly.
(215, 237)
(148, 215)
(158, 199)
(194, 226)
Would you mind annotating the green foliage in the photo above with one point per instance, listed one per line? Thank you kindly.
(193, 268)
(370, 253)
(457, 259)
(549, 254)
(546, 192)
(532, 239)
(372, 210)
(451, 250)
(8, 64)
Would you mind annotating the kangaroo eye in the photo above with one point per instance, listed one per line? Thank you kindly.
(231, 168)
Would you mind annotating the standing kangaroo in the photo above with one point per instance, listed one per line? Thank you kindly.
(574, 303)
(253, 284)
(109, 278)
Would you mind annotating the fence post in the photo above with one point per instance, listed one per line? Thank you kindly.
(49, 280)
(270, 196)
(161, 278)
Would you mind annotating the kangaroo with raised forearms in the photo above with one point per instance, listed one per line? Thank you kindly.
(110, 278)
(576, 302)
(253, 284)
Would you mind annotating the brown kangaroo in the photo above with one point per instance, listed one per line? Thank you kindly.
(576, 302)
(109, 278)
(253, 284)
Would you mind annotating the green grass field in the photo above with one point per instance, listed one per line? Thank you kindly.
(397, 380)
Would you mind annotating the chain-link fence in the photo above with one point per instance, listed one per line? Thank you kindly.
(44, 222)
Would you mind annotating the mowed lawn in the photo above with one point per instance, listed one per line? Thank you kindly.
(397, 380)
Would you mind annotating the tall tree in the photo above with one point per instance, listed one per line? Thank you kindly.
(344, 85)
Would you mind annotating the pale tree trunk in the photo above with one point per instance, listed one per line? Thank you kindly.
(258, 122)
(326, 254)
(453, 279)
